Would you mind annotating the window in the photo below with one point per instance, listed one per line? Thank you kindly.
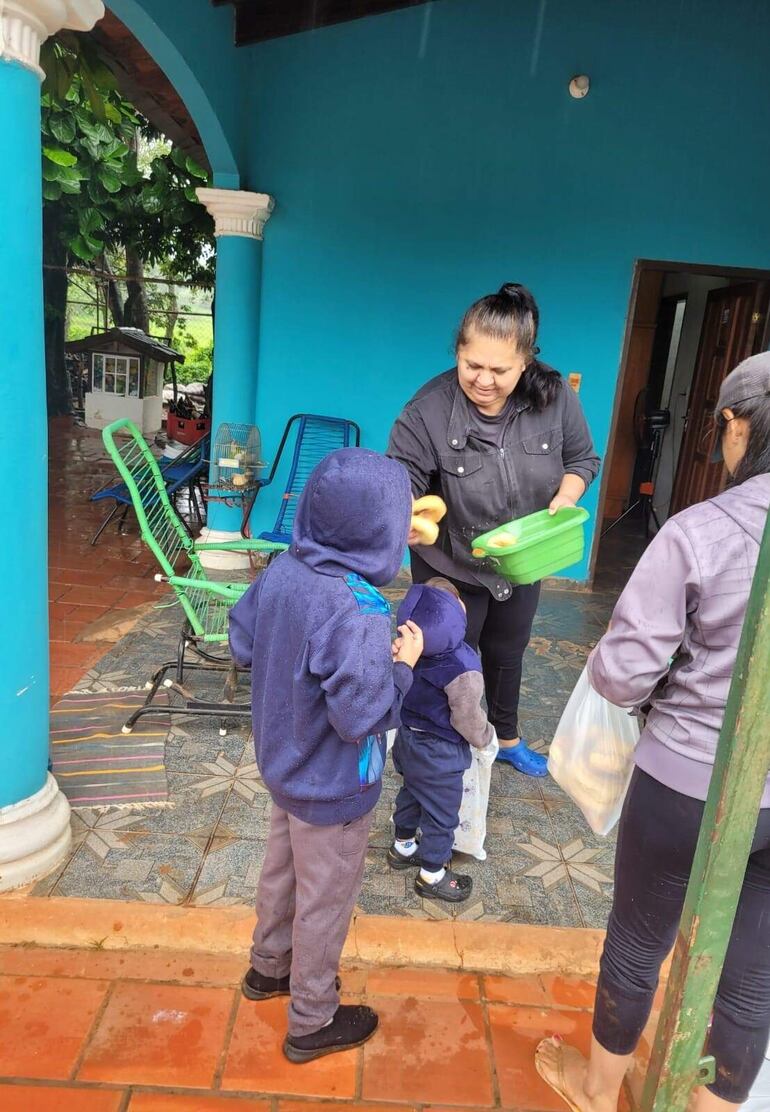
(117, 374)
(133, 378)
(98, 373)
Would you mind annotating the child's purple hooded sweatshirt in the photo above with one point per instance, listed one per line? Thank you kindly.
(317, 635)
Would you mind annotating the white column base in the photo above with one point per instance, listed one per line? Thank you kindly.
(35, 836)
(222, 561)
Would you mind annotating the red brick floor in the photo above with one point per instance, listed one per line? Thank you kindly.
(85, 582)
(105, 1031)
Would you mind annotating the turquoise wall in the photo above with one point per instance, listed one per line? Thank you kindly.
(23, 447)
(420, 159)
(192, 42)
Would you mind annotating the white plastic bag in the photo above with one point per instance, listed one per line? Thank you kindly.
(592, 755)
(390, 738)
(472, 828)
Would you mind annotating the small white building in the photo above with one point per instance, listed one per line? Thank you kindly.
(126, 377)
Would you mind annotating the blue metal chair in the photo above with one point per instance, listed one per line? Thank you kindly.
(314, 438)
(184, 471)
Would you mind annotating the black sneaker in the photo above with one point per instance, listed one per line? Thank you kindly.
(255, 986)
(353, 1025)
(399, 860)
(452, 888)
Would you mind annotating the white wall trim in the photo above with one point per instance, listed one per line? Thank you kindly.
(35, 836)
(237, 212)
(26, 24)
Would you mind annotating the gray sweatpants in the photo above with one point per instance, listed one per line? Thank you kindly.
(307, 890)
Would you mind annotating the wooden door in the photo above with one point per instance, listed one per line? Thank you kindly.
(733, 328)
(620, 465)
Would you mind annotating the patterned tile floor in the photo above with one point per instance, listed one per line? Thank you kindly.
(544, 864)
(105, 1031)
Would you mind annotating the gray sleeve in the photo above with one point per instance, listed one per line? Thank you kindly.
(465, 711)
(410, 444)
(578, 452)
(649, 621)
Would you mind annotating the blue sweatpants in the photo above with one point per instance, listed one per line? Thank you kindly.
(430, 799)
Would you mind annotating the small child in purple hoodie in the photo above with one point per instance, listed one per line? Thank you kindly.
(326, 685)
(441, 718)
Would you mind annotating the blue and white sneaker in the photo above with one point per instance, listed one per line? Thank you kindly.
(524, 759)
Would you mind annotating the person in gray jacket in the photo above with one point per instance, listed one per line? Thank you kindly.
(686, 600)
(499, 436)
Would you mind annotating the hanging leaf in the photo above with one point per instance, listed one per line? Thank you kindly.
(63, 75)
(60, 157)
(85, 248)
(96, 191)
(152, 201)
(48, 65)
(195, 170)
(132, 175)
(102, 76)
(62, 127)
(109, 179)
(70, 187)
(93, 149)
(95, 98)
(51, 171)
(90, 220)
(160, 172)
(52, 190)
(115, 149)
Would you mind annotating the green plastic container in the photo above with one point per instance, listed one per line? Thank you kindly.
(544, 545)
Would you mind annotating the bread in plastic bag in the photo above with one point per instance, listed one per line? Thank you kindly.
(592, 754)
(472, 827)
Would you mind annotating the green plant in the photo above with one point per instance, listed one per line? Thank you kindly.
(101, 197)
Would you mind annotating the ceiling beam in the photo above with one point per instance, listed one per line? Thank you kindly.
(260, 20)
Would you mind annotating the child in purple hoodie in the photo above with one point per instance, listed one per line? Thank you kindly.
(441, 718)
(326, 685)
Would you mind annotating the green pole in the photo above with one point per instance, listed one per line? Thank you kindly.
(727, 832)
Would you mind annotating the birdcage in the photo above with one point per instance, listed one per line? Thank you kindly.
(236, 462)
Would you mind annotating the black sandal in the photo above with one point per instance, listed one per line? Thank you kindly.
(398, 860)
(452, 887)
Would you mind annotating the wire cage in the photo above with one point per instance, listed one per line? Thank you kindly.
(236, 461)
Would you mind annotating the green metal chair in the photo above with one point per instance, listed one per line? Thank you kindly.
(206, 604)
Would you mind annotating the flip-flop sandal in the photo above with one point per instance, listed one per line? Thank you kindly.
(558, 1086)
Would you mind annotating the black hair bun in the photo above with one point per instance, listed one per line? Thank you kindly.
(512, 289)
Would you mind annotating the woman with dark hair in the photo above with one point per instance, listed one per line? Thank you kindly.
(686, 599)
(499, 436)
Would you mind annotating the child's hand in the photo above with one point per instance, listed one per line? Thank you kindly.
(408, 646)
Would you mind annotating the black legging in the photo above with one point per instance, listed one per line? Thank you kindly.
(500, 631)
(656, 845)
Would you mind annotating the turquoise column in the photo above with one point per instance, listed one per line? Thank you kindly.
(23, 446)
(239, 220)
(34, 815)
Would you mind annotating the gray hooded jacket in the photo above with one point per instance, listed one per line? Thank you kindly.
(686, 599)
(485, 484)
